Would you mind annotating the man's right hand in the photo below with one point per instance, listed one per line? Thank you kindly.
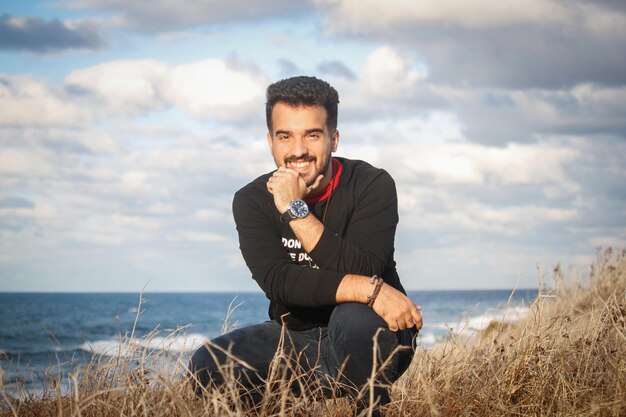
(397, 309)
(391, 305)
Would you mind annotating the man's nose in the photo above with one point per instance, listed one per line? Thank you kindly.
(299, 147)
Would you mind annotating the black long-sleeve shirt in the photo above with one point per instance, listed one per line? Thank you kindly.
(358, 238)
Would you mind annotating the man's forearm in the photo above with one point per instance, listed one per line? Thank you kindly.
(353, 288)
(308, 230)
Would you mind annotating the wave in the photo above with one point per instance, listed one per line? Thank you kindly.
(468, 325)
(179, 343)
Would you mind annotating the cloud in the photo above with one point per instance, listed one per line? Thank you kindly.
(500, 115)
(16, 202)
(209, 88)
(167, 15)
(38, 35)
(387, 73)
(213, 87)
(129, 86)
(605, 242)
(25, 101)
(394, 84)
(452, 188)
(336, 69)
(541, 44)
(465, 163)
(288, 68)
(357, 14)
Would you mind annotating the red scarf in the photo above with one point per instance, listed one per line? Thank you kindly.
(331, 186)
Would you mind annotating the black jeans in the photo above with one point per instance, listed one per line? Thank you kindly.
(341, 352)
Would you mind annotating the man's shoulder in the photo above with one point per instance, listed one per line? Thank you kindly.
(362, 171)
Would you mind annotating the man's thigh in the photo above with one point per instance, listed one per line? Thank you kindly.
(246, 354)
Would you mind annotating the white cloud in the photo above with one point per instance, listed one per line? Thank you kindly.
(212, 87)
(605, 242)
(358, 15)
(25, 101)
(21, 162)
(205, 88)
(605, 23)
(211, 215)
(494, 114)
(425, 148)
(167, 15)
(129, 86)
(200, 237)
(455, 215)
(387, 73)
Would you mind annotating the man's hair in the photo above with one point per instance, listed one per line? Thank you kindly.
(302, 90)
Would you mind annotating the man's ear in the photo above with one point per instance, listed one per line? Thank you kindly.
(334, 141)
(269, 140)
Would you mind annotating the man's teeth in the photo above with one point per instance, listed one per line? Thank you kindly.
(299, 164)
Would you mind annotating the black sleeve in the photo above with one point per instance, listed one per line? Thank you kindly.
(368, 245)
(281, 279)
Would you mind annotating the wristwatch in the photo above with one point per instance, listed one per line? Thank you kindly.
(297, 209)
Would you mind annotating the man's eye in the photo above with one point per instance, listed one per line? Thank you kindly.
(314, 136)
(283, 137)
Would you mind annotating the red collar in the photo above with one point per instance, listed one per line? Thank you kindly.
(331, 186)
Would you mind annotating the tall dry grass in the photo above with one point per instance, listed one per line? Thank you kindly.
(567, 358)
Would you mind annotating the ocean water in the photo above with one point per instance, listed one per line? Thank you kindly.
(44, 331)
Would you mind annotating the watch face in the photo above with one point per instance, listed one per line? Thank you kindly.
(299, 208)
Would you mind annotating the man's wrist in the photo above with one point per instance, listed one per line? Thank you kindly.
(377, 282)
(297, 209)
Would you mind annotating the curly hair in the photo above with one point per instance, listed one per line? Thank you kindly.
(303, 90)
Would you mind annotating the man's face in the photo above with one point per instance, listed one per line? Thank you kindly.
(300, 140)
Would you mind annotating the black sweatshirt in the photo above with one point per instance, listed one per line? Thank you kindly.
(358, 238)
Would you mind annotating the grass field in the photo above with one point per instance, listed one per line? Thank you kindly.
(566, 358)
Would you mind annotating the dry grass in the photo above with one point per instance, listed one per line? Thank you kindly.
(567, 358)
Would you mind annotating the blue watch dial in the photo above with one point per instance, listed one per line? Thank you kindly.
(299, 208)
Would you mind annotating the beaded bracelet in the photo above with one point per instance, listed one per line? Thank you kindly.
(378, 283)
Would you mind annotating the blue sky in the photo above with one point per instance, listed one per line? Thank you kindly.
(126, 127)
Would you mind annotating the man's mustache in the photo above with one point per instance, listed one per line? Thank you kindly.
(305, 158)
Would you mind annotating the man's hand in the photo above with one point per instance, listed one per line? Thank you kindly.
(397, 309)
(286, 185)
(391, 305)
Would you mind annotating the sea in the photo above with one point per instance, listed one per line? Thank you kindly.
(43, 334)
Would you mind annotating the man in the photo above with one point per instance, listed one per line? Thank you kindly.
(318, 236)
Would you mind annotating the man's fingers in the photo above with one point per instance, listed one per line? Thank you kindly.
(417, 318)
(409, 323)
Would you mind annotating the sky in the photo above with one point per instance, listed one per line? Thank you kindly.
(127, 126)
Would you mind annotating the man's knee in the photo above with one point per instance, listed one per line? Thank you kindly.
(204, 369)
(241, 356)
(355, 321)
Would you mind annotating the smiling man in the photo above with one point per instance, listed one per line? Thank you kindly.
(318, 236)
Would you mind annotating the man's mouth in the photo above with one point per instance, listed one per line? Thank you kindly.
(300, 165)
